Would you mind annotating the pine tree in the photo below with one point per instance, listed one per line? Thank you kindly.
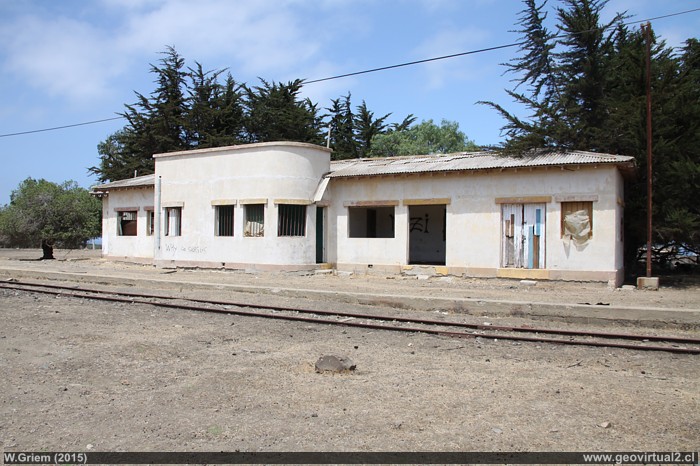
(586, 90)
(342, 127)
(366, 127)
(214, 116)
(275, 112)
(155, 124)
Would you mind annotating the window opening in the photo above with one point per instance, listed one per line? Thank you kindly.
(371, 222)
(150, 222)
(577, 220)
(254, 220)
(126, 223)
(173, 221)
(291, 220)
(224, 220)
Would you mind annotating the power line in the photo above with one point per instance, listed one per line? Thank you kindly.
(664, 16)
(60, 127)
(372, 70)
(488, 49)
(471, 52)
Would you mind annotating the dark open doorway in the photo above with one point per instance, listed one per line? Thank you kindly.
(427, 235)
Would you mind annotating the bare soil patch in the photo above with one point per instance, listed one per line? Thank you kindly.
(79, 374)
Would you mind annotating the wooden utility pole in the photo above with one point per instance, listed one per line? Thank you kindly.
(647, 30)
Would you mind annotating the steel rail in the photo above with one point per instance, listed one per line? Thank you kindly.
(563, 332)
(100, 295)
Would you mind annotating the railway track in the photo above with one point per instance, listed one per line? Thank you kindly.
(667, 343)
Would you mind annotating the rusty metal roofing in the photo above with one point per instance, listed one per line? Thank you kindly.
(469, 161)
(136, 182)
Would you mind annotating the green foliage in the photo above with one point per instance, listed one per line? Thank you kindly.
(423, 138)
(354, 133)
(215, 115)
(40, 210)
(366, 128)
(585, 89)
(191, 109)
(275, 112)
(342, 124)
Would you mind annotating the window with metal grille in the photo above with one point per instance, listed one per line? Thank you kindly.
(126, 223)
(224, 220)
(173, 221)
(291, 220)
(254, 220)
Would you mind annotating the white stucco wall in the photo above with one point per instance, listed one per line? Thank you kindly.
(289, 173)
(268, 173)
(474, 217)
(136, 247)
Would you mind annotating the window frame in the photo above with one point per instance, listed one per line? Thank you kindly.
(225, 227)
(259, 231)
(291, 220)
(371, 219)
(568, 207)
(167, 226)
(150, 222)
(121, 221)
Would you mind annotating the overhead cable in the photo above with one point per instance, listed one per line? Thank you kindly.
(373, 70)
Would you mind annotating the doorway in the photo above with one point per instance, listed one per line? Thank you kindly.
(523, 237)
(427, 234)
(320, 235)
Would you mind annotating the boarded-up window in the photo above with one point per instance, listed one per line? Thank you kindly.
(291, 220)
(224, 220)
(126, 223)
(173, 221)
(523, 236)
(371, 222)
(254, 220)
(577, 220)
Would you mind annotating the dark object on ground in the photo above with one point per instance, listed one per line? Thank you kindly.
(47, 248)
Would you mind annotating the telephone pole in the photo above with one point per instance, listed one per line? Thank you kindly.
(649, 142)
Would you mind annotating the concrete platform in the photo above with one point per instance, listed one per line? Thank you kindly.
(453, 294)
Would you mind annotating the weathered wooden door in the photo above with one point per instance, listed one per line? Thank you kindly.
(523, 236)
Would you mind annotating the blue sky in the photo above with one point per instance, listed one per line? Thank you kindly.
(67, 62)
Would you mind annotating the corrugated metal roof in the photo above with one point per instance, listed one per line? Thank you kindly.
(136, 182)
(467, 161)
(463, 161)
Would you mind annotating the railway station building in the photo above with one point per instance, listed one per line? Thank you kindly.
(286, 206)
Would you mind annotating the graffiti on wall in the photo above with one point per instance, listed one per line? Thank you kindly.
(420, 224)
(173, 249)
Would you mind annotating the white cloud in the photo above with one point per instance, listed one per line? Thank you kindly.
(61, 56)
(259, 37)
(81, 55)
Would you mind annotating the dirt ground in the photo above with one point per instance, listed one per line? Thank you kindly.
(86, 375)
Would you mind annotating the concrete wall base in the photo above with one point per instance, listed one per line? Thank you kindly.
(613, 278)
(648, 283)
